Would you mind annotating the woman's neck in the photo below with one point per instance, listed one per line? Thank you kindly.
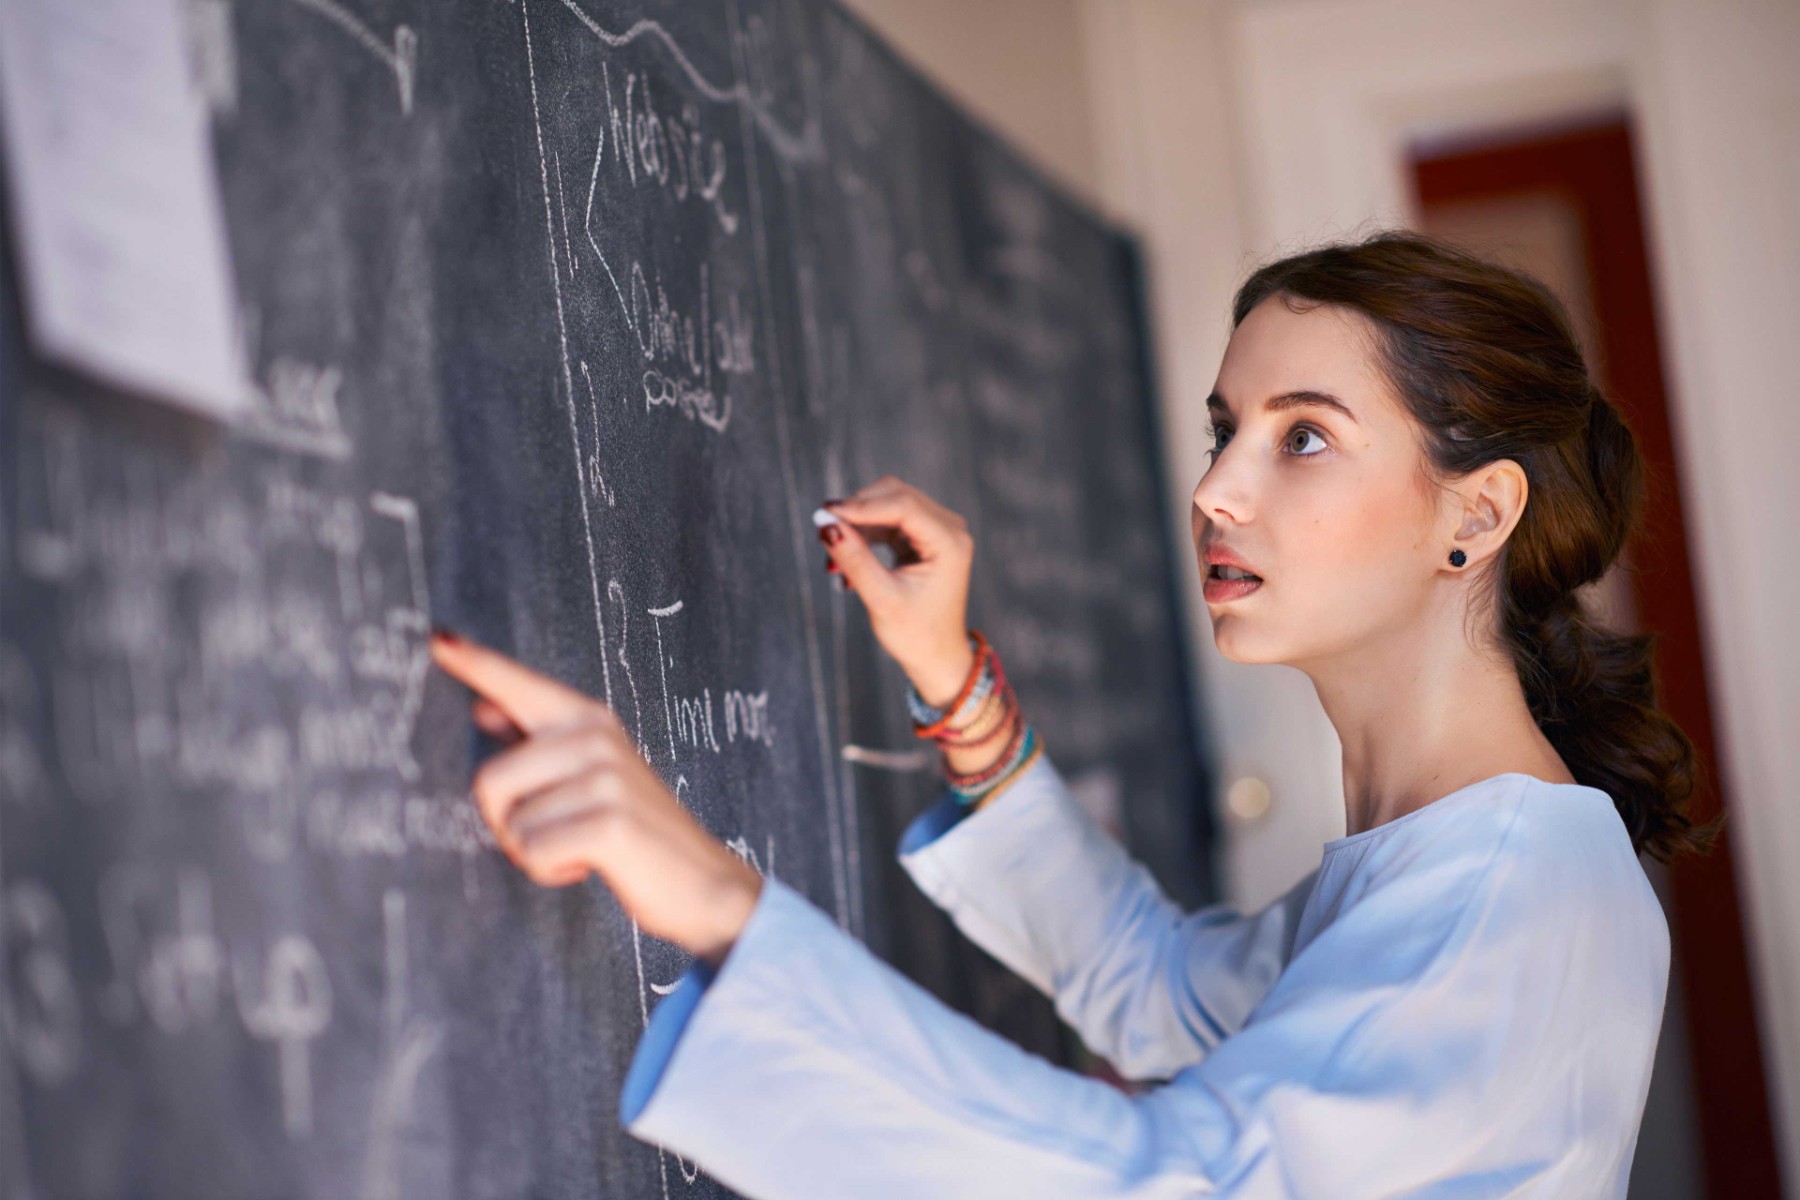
(1420, 718)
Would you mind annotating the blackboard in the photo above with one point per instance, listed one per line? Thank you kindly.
(563, 316)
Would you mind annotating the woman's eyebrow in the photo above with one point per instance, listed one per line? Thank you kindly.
(1285, 400)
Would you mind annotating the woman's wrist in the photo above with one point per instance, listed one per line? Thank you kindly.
(972, 760)
(730, 912)
(982, 736)
(1012, 777)
(940, 677)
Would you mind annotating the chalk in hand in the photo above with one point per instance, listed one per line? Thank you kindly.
(822, 518)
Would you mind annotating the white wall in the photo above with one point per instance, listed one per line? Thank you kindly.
(1018, 64)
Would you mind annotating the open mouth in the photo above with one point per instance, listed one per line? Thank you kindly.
(1223, 584)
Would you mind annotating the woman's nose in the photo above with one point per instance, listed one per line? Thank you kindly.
(1222, 493)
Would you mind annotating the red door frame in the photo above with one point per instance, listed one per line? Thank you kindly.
(1593, 169)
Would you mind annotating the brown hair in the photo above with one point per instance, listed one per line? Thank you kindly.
(1487, 362)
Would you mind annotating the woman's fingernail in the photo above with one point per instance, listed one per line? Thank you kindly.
(832, 535)
(844, 582)
(444, 635)
(834, 500)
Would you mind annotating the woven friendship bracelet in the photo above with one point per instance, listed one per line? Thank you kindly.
(1013, 764)
(1037, 749)
(984, 708)
(925, 714)
(985, 687)
(1021, 730)
(983, 655)
(987, 723)
(982, 730)
(976, 688)
(992, 685)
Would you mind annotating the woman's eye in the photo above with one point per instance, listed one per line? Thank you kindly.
(1296, 442)
(1302, 432)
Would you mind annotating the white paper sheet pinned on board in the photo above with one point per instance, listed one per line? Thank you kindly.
(119, 232)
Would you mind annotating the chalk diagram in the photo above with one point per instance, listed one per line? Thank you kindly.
(400, 55)
(804, 146)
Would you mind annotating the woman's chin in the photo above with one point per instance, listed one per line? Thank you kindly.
(1241, 645)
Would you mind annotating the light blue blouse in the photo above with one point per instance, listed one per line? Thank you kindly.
(1462, 1002)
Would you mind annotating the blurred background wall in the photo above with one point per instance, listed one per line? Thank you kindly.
(1643, 157)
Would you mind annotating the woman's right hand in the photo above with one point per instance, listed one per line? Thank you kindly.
(918, 608)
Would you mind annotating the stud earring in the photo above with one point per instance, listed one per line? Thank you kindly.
(1458, 558)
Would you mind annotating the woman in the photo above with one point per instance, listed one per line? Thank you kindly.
(1412, 473)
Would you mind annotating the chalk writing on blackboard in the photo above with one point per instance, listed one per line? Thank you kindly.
(242, 881)
(401, 56)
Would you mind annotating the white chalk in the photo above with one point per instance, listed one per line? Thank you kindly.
(823, 517)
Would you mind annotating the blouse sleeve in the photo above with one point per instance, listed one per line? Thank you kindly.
(1452, 1037)
(1035, 881)
(806, 1067)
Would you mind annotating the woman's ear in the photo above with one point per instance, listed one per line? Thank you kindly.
(1491, 499)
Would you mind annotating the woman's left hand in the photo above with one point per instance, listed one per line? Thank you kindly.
(572, 795)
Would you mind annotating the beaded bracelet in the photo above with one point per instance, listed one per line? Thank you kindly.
(1024, 765)
(987, 723)
(990, 686)
(925, 714)
(990, 724)
(1020, 731)
(985, 707)
(1024, 748)
(933, 726)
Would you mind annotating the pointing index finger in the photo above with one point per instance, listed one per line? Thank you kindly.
(534, 701)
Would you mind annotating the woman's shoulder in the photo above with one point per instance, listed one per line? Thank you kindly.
(1539, 853)
(1557, 864)
(1504, 817)
(1518, 883)
(1571, 834)
(1572, 843)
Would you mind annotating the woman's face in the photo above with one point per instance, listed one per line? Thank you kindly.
(1328, 505)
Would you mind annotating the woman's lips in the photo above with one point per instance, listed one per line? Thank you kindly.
(1219, 591)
